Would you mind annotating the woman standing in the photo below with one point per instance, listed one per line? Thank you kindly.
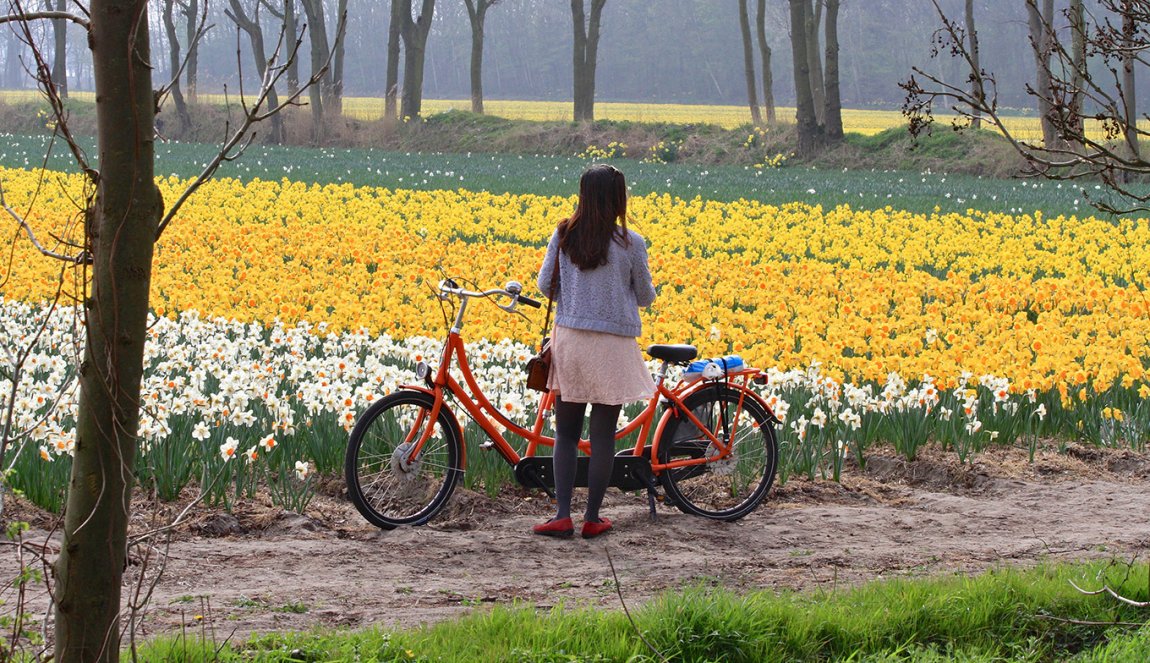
(603, 280)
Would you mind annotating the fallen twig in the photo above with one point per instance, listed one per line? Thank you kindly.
(619, 592)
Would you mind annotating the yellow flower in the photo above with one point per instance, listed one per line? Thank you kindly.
(1045, 302)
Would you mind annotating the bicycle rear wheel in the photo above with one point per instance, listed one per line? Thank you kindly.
(387, 486)
(728, 487)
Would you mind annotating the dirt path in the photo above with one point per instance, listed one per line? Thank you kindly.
(281, 571)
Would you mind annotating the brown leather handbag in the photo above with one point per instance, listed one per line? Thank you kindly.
(539, 366)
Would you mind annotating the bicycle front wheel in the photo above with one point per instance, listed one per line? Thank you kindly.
(728, 486)
(386, 483)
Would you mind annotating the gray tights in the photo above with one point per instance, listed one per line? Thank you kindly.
(568, 428)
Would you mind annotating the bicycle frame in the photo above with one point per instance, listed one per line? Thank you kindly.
(490, 419)
(719, 419)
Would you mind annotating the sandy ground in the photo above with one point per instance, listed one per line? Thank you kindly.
(261, 569)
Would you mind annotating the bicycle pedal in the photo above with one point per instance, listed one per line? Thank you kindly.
(487, 445)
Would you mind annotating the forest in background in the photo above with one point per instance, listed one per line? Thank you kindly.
(675, 51)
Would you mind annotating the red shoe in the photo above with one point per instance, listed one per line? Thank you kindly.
(592, 530)
(561, 528)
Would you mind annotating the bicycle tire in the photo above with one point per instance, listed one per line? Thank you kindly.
(384, 488)
(725, 489)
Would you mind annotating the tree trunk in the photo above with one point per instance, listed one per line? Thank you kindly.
(814, 62)
(335, 105)
(477, 14)
(1129, 57)
(593, 27)
(749, 63)
(121, 228)
(399, 9)
(251, 26)
(1077, 17)
(765, 55)
(60, 55)
(291, 33)
(411, 103)
(833, 115)
(578, 57)
(1038, 20)
(586, 47)
(976, 90)
(169, 21)
(13, 75)
(318, 94)
(191, 67)
(414, 33)
(807, 124)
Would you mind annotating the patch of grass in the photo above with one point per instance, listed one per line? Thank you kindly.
(1120, 648)
(559, 175)
(295, 607)
(1002, 615)
(458, 149)
(980, 153)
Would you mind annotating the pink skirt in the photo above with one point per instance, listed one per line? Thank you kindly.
(597, 367)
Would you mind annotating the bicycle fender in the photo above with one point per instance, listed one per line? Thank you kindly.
(752, 395)
(667, 415)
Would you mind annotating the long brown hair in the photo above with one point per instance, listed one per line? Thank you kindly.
(586, 237)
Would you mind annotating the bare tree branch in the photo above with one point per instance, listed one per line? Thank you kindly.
(25, 17)
(202, 28)
(43, 77)
(1105, 589)
(1105, 150)
(619, 593)
(242, 136)
(83, 258)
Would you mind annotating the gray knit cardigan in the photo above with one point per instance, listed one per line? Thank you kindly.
(604, 299)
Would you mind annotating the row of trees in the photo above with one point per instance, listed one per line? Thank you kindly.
(185, 23)
(818, 105)
(1084, 74)
(669, 50)
(408, 30)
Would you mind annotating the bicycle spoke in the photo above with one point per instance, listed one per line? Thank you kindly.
(401, 465)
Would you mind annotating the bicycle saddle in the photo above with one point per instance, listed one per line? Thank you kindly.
(673, 353)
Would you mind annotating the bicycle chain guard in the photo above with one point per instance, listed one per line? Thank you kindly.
(626, 474)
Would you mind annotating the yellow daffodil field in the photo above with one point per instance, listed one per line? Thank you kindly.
(284, 308)
(860, 121)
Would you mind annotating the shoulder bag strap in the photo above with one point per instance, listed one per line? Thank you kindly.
(551, 298)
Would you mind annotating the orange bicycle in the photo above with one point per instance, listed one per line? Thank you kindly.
(713, 448)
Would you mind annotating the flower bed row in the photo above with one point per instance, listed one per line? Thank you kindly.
(230, 407)
(1049, 303)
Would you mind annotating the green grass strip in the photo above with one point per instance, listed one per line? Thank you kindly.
(1002, 615)
(866, 188)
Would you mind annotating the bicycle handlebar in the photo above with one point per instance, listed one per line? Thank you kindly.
(513, 290)
(527, 301)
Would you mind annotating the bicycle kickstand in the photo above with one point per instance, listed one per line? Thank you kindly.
(652, 497)
(652, 491)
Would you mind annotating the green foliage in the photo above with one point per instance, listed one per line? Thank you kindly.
(1120, 648)
(1001, 615)
(44, 483)
(864, 188)
(165, 465)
